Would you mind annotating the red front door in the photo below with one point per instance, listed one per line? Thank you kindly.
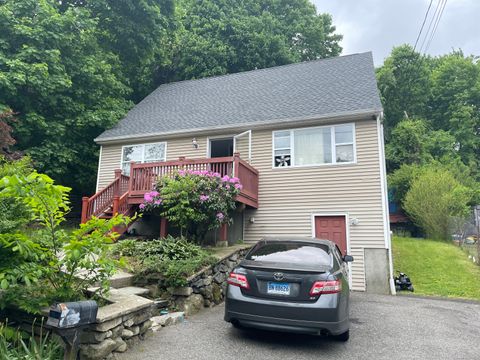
(332, 228)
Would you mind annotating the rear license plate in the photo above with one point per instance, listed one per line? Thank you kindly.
(278, 288)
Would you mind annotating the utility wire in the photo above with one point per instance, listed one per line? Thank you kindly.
(435, 27)
(423, 24)
(432, 21)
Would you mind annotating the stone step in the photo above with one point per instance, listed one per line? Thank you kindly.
(167, 320)
(132, 290)
(121, 279)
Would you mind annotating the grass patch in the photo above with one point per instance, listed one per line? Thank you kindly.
(437, 268)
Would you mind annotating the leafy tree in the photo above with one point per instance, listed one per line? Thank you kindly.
(7, 118)
(63, 86)
(436, 198)
(407, 145)
(227, 36)
(412, 142)
(455, 103)
(140, 32)
(404, 83)
(432, 118)
(69, 68)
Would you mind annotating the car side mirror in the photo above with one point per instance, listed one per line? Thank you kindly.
(348, 258)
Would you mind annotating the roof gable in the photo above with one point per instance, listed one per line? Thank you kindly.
(340, 85)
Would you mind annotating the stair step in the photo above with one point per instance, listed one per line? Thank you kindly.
(121, 279)
(132, 290)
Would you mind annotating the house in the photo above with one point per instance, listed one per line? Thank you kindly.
(306, 141)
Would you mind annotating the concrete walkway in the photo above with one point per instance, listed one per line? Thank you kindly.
(383, 327)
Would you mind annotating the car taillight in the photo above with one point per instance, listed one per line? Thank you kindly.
(238, 280)
(325, 287)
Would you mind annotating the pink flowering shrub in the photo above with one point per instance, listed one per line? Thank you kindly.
(195, 201)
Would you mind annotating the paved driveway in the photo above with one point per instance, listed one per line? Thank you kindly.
(383, 327)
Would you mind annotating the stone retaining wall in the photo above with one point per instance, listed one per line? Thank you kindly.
(118, 326)
(208, 287)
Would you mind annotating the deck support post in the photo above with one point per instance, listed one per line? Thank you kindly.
(116, 200)
(163, 227)
(223, 240)
(236, 162)
(116, 189)
(84, 209)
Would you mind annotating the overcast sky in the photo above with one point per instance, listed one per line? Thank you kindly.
(378, 25)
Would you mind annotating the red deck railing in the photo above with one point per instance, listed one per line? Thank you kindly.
(104, 199)
(143, 177)
(121, 195)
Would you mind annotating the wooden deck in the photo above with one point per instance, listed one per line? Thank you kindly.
(125, 192)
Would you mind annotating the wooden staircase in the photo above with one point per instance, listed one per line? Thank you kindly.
(125, 193)
(113, 199)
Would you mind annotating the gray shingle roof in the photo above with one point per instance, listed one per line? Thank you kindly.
(340, 85)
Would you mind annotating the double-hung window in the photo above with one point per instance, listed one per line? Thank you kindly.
(314, 146)
(142, 153)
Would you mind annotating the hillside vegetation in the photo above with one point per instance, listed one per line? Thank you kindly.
(437, 268)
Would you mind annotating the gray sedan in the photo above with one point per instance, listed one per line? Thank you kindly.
(291, 284)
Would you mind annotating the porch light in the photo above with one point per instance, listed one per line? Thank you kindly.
(251, 220)
(354, 221)
(195, 143)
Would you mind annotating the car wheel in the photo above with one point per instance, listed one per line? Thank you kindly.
(344, 336)
(236, 325)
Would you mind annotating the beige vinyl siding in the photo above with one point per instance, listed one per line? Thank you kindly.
(288, 197)
(109, 161)
(111, 155)
(242, 147)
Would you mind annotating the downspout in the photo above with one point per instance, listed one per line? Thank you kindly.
(384, 189)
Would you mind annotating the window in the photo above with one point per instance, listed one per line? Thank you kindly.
(292, 253)
(314, 146)
(344, 143)
(142, 153)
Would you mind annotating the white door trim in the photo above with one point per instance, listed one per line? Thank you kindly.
(218, 137)
(347, 232)
(249, 133)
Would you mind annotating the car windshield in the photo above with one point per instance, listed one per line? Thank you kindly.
(293, 253)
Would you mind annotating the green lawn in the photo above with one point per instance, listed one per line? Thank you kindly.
(437, 268)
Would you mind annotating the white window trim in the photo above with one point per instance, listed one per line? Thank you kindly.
(333, 145)
(143, 152)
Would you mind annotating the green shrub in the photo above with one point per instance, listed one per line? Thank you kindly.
(169, 248)
(17, 345)
(434, 199)
(175, 259)
(40, 267)
(13, 212)
(195, 201)
(176, 272)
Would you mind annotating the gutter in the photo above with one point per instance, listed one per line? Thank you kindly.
(350, 115)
